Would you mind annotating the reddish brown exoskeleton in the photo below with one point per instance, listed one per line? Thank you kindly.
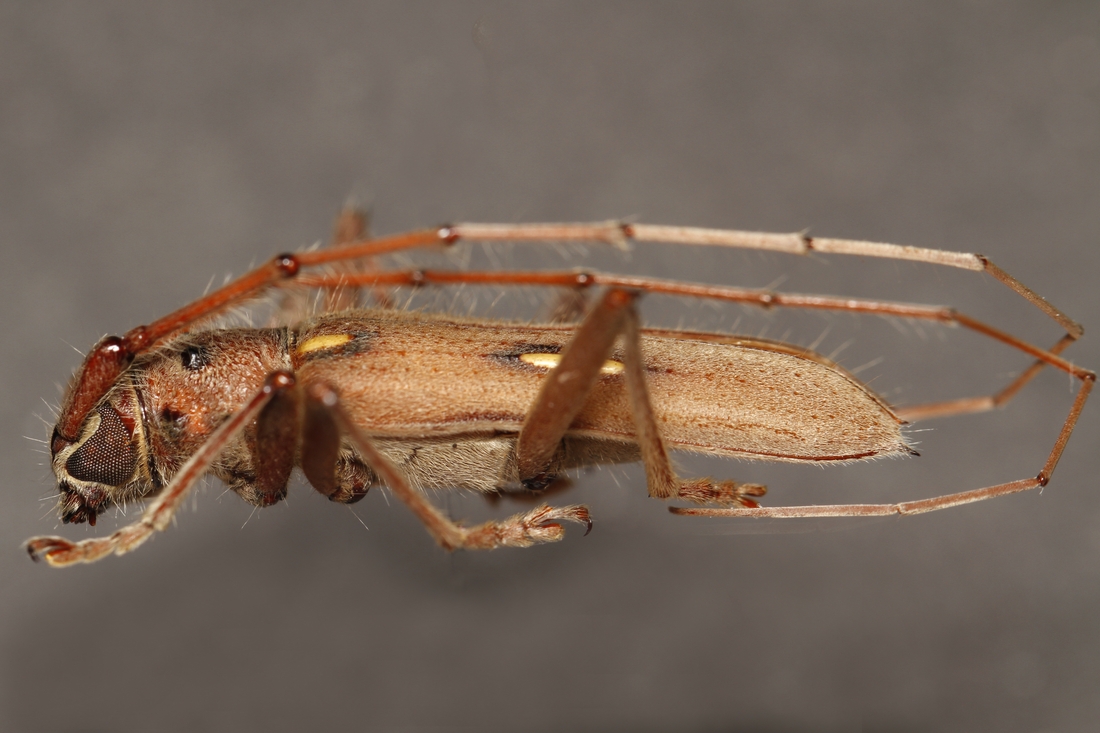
(412, 401)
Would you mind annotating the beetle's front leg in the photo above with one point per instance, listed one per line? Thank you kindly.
(324, 414)
(59, 551)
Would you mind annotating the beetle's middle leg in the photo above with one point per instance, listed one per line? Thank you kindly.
(567, 386)
(325, 418)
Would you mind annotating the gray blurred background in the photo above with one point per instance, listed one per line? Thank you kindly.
(146, 149)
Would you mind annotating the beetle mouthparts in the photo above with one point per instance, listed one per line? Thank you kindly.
(76, 508)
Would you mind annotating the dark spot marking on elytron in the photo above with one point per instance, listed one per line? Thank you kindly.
(486, 416)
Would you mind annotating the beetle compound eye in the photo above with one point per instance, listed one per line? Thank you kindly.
(107, 457)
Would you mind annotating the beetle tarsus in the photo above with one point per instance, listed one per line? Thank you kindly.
(538, 526)
(721, 493)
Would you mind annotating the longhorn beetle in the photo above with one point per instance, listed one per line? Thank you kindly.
(360, 397)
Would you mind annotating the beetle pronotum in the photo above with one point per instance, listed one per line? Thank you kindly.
(411, 400)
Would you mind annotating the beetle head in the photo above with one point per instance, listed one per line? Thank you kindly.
(98, 468)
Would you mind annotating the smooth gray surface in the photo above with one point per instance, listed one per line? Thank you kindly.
(145, 150)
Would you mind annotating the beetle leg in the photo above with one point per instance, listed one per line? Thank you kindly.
(332, 471)
(967, 405)
(59, 552)
(351, 226)
(539, 525)
(296, 305)
(567, 385)
(522, 495)
(919, 506)
(661, 478)
(272, 450)
(569, 305)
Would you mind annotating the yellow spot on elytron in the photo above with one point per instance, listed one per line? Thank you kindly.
(549, 361)
(327, 341)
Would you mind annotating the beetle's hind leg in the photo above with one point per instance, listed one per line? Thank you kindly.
(566, 388)
(661, 478)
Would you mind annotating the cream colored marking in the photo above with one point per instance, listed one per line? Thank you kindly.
(326, 341)
(549, 361)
